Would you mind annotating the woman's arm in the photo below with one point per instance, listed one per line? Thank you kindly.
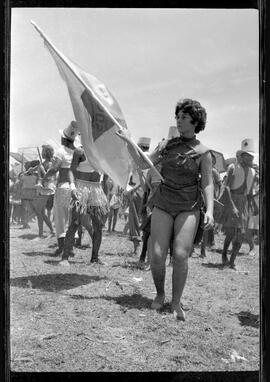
(228, 183)
(53, 170)
(40, 174)
(138, 159)
(78, 155)
(217, 182)
(41, 171)
(208, 188)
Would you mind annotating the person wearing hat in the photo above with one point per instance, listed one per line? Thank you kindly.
(89, 206)
(208, 238)
(151, 183)
(28, 191)
(134, 194)
(253, 210)
(144, 143)
(47, 154)
(114, 199)
(237, 189)
(64, 185)
(173, 132)
(45, 190)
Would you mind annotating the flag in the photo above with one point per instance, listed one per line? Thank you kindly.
(220, 164)
(18, 157)
(98, 115)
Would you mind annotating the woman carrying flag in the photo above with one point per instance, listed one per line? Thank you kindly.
(178, 202)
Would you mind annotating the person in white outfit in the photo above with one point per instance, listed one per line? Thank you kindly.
(64, 186)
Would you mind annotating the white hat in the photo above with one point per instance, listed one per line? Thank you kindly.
(173, 132)
(247, 146)
(71, 131)
(144, 141)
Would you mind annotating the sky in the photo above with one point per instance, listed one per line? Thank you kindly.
(148, 59)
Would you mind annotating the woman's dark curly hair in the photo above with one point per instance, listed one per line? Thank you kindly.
(195, 110)
(47, 151)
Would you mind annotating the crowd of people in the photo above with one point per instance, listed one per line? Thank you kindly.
(174, 213)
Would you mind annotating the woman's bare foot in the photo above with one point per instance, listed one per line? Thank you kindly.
(64, 263)
(178, 312)
(158, 302)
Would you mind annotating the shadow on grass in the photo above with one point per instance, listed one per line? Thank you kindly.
(127, 301)
(134, 301)
(221, 250)
(38, 253)
(83, 246)
(54, 245)
(115, 234)
(137, 301)
(248, 319)
(213, 265)
(56, 262)
(229, 252)
(52, 262)
(54, 282)
(80, 297)
(120, 254)
(28, 236)
(166, 308)
(130, 264)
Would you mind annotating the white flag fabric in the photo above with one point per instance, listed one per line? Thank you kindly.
(98, 115)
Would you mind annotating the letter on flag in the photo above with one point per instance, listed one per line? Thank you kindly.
(99, 116)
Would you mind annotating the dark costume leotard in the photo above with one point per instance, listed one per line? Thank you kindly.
(180, 161)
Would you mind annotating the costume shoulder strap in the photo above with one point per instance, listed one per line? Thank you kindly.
(199, 147)
(156, 155)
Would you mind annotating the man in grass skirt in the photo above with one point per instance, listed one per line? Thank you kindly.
(89, 206)
(235, 196)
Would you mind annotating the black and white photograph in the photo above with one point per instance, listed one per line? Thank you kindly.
(134, 184)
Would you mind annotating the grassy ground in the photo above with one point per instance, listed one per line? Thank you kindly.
(98, 318)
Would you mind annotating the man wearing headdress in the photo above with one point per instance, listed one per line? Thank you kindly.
(238, 188)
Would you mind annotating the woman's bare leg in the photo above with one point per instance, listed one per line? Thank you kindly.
(115, 217)
(161, 229)
(110, 216)
(230, 233)
(185, 228)
(47, 220)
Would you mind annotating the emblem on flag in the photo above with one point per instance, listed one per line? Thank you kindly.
(99, 118)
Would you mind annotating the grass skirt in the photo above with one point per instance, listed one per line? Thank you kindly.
(91, 199)
(229, 220)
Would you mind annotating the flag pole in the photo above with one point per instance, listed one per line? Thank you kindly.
(60, 55)
(39, 155)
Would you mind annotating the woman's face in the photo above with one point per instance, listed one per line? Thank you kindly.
(247, 159)
(184, 124)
